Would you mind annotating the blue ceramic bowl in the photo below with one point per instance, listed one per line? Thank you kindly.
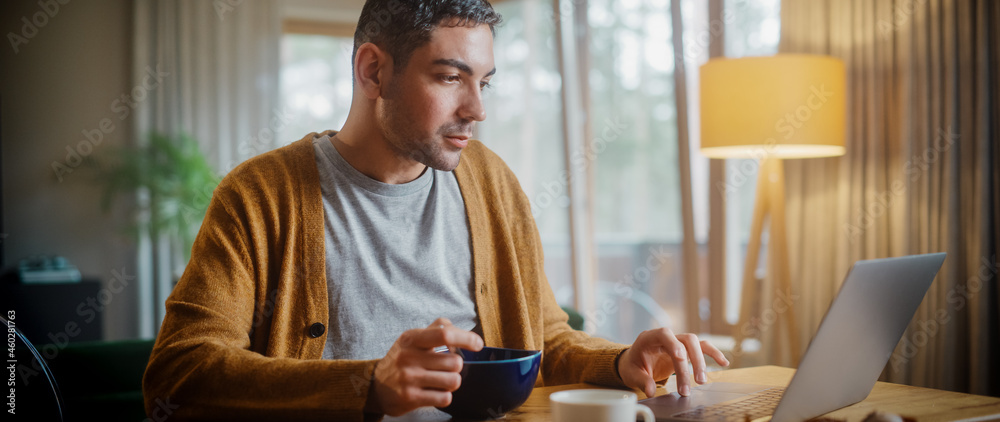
(494, 381)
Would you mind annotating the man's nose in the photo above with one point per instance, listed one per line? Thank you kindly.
(472, 106)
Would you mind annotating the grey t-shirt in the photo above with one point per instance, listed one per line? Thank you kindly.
(397, 256)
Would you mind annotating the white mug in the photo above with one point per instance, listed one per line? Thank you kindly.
(597, 406)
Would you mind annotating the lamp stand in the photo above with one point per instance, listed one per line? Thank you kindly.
(770, 201)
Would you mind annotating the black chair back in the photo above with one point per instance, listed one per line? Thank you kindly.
(36, 393)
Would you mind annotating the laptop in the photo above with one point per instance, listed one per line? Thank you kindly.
(854, 342)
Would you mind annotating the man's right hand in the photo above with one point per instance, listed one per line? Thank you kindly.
(412, 375)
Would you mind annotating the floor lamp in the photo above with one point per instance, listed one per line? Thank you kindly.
(771, 109)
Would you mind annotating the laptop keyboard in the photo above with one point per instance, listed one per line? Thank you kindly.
(757, 405)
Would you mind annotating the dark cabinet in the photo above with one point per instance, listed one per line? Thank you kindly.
(55, 314)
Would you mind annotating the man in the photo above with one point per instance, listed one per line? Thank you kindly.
(327, 272)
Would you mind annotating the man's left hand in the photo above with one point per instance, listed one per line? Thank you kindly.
(657, 354)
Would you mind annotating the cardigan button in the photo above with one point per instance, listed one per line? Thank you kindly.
(316, 330)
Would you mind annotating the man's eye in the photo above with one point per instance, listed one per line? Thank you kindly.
(484, 86)
(451, 78)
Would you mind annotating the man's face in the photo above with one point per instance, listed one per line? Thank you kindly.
(430, 108)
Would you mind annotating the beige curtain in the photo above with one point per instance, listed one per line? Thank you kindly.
(920, 175)
(218, 63)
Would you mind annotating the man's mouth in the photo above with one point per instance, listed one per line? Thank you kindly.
(459, 141)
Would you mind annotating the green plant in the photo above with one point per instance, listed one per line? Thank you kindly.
(171, 180)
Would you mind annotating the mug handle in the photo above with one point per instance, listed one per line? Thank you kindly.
(647, 414)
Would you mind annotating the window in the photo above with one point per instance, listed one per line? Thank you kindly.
(315, 83)
(637, 188)
(523, 127)
(636, 185)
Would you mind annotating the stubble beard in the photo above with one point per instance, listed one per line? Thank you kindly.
(397, 123)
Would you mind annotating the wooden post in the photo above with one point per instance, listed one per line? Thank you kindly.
(717, 203)
(770, 202)
(689, 248)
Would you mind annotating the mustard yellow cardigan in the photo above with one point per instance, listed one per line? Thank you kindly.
(236, 341)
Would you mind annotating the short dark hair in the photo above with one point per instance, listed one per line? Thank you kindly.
(401, 26)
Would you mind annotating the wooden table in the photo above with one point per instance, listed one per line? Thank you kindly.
(922, 404)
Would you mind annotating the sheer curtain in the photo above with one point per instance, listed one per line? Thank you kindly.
(218, 63)
(920, 174)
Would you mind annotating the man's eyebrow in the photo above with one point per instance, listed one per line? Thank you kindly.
(460, 65)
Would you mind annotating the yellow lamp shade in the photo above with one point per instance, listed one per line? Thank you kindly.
(784, 106)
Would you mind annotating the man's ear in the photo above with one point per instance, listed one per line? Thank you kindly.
(372, 65)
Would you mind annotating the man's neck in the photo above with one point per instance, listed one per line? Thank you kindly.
(376, 159)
